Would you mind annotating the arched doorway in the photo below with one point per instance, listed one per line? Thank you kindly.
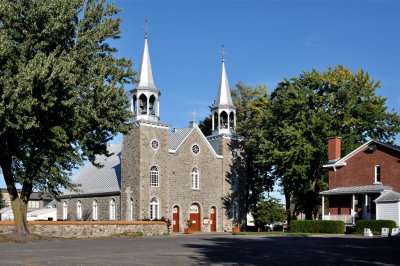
(195, 217)
(213, 219)
(175, 219)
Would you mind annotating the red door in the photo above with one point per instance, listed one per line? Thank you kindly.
(175, 219)
(213, 219)
(195, 217)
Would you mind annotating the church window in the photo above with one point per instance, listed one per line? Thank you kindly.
(234, 182)
(79, 210)
(112, 209)
(95, 216)
(134, 104)
(131, 209)
(231, 120)
(224, 119)
(154, 176)
(195, 178)
(234, 154)
(152, 100)
(155, 144)
(154, 209)
(235, 211)
(65, 211)
(143, 104)
(196, 149)
(215, 121)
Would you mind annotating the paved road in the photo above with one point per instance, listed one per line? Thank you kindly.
(200, 249)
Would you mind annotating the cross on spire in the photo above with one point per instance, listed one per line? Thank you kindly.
(223, 53)
(194, 115)
(146, 26)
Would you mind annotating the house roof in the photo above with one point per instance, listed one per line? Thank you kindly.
(388, 196)
(95, 180)
(342, 161)
(355, 190)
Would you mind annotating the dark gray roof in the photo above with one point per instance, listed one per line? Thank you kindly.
(176, 137)
(95, 180)
(355, 190)
(389, 196)
(40, 196)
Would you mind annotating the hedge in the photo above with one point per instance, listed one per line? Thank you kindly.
(374, 225)
(311, 226)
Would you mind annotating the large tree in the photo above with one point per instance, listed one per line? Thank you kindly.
(62, 92)
(299, 116)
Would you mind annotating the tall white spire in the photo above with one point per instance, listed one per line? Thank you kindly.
(224, 97)
(146, 80)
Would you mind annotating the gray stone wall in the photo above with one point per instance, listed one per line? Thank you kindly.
(103, 208)
(89, 229)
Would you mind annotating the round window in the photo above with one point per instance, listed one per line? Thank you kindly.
(195, 149)
(155, 144)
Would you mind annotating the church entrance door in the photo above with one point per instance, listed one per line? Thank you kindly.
(175, 218)
(213, 219)
(195, 216)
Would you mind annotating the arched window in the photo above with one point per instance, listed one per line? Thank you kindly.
(154, 176)
(154, 209)
(235, 211)
(232, 121)
(79, 210)
(65, 211)
(143, 104)
(134, 104)
(195, 178)
(112, 209)
(95, 216)
(216, 126)
(131, 209)
(224, 119)
(152, 108)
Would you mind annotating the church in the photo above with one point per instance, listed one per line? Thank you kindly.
(180, 174)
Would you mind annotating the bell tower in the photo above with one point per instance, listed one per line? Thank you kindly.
(223, 110)
(145, 96)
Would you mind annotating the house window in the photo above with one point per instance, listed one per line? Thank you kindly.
(112, 209)
(195, 178)
(235, 212)
(33, 204)
(65, 211)
(79, 210)
(377, 173)
(154, 209)
(234, 182)
(95, 216)
(131, 209)
(154, 176)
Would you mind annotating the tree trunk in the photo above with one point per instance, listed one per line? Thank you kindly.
(19, 208)
(287, 203)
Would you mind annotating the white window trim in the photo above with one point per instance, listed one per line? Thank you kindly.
(151, 142)
(95, 210)
(65, 210)
(195, 177)
(191, 149)
(113, 209)
(79, 210)
(157, 177)
(131, 209)
(376, 175)
(154, 209)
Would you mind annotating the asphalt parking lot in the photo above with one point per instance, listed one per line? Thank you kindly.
(205, 249)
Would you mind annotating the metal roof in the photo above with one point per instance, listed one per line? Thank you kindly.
(176, 137)
(388, 196)
(95, 180)
(355, 190)
(224, 97)
(146, 80)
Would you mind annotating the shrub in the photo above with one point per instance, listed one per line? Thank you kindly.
(374, 225)
(308, 226)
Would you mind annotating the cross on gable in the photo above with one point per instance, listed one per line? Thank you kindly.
(194, 114)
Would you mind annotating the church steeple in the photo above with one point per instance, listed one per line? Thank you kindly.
(145, 96)
(223, 110)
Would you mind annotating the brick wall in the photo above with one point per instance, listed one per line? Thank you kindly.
(89, 229)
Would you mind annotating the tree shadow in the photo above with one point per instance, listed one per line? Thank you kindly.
(254, 250)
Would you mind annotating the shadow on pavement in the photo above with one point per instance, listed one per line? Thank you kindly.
(298, 250)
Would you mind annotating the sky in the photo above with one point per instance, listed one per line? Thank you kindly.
(266, 41)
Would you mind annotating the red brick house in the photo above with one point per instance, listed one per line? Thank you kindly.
(365, 184)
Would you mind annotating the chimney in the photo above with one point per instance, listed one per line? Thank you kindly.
(334, 149)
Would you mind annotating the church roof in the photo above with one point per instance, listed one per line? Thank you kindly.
(146, 80)
(95, 180)
(176, 137)
(224, 98)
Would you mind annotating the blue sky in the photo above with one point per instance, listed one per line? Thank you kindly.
(266, 41)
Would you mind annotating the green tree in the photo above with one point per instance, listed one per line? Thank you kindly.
(301, 113)
(269, 211)
(62, 92)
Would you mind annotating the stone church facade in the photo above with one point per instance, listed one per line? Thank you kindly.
(156, 172)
